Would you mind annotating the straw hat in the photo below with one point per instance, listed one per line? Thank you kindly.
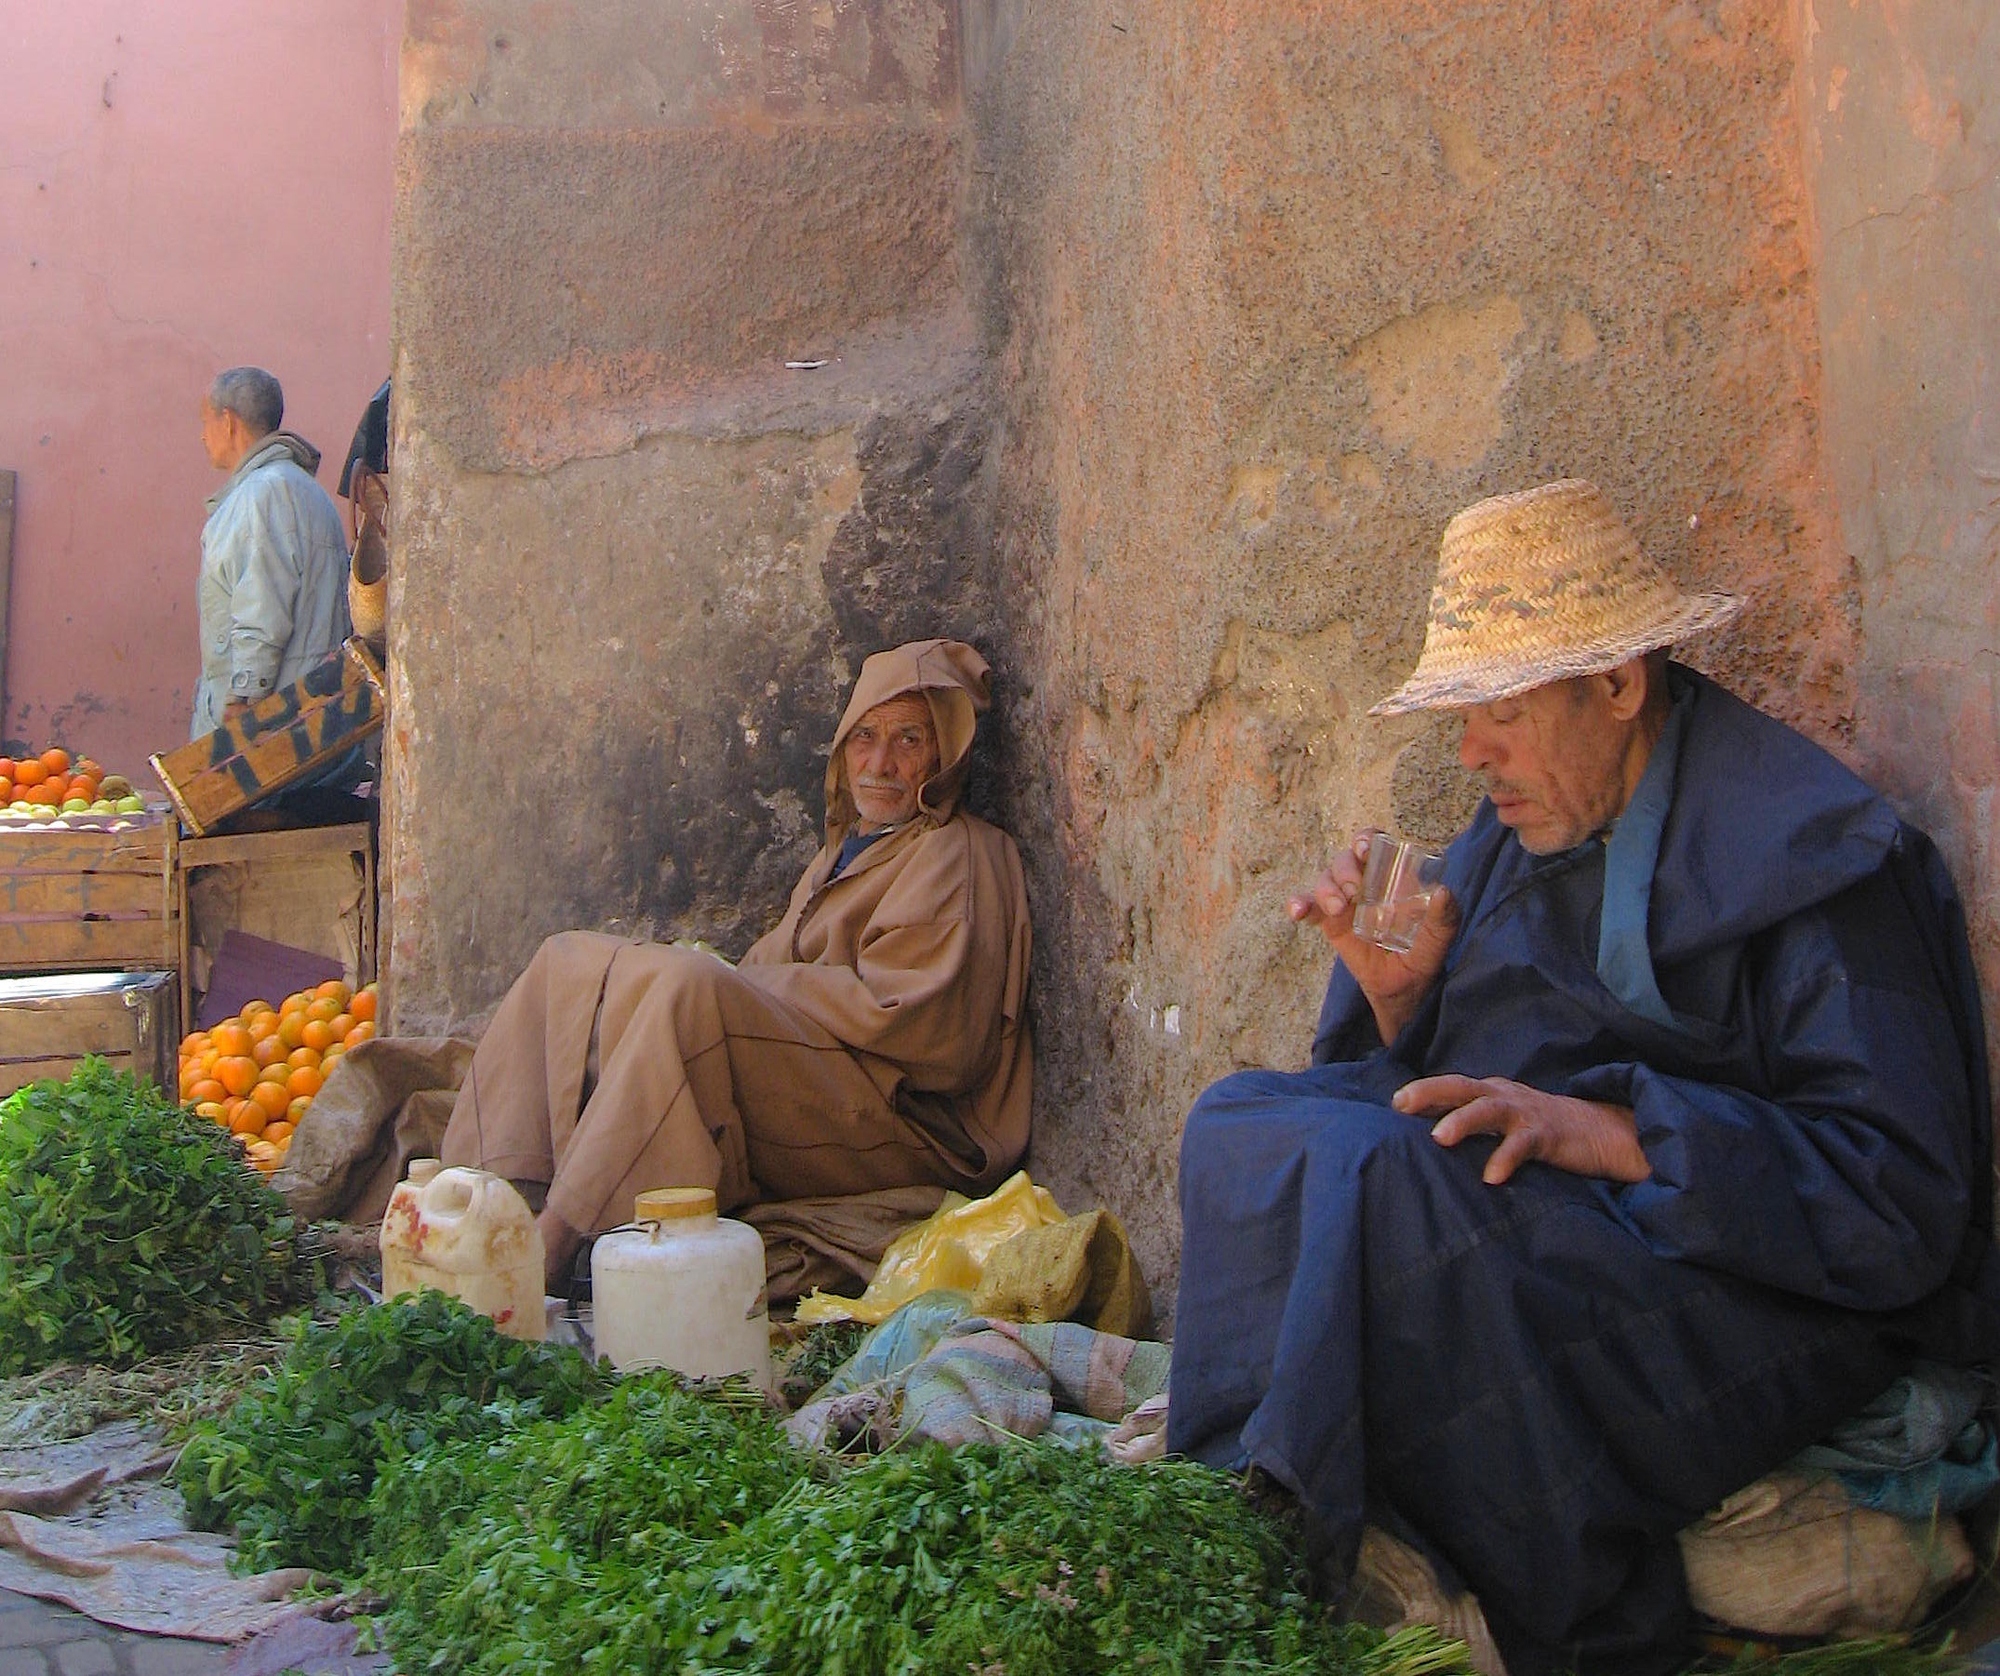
(1541, 586)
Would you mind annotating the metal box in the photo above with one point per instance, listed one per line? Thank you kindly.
(49, 1023)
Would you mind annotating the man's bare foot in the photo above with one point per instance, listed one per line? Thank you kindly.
(559, 1243)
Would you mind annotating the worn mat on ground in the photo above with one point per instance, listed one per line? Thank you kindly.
(83, 1523)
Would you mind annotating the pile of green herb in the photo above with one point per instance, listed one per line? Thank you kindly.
(665, 1531)
(290, 1467)
(816, 1356)
(129, 1226)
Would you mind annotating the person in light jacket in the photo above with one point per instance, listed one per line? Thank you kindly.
(273, 589)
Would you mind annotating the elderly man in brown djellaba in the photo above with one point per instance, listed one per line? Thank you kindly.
(874, 1038)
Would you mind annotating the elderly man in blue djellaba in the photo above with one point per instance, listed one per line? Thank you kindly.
(1659, 1152)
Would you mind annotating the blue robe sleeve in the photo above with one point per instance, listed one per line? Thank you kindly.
(1845, 1177)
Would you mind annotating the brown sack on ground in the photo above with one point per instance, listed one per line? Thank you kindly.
(1078, 1270)
(1793, 1555)
(385, 1102)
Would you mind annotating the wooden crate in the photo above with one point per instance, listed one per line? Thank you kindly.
(301, 887)
(282, 739)
(48, 1024)
(89, 901)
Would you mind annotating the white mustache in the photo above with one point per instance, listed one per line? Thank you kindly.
(878, 785)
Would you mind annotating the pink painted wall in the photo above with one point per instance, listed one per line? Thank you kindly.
(182, 188)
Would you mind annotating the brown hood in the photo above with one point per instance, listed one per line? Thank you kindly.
(954, 681)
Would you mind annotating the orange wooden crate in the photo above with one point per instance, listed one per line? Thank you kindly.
(283, 738)
(89, 900)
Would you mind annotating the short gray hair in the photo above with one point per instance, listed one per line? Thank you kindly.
(252, 394)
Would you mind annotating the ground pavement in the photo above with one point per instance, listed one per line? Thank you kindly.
(37, 1639)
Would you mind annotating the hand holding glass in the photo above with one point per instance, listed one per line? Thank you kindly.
(1397, 880)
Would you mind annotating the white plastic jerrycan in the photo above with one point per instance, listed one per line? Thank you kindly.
(685, 1290)
(468, 1233)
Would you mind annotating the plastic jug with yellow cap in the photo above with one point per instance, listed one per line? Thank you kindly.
(682, 1289)
(468, 1233)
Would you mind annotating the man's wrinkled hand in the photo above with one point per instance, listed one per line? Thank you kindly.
(1584, 1137)
(1393, 983)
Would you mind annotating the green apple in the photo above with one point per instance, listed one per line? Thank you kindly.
(76, 806)
(133, 805)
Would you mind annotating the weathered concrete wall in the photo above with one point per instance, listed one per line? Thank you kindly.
(1273, 289)
(1163, 342)
(638, 557)
(1903, 150)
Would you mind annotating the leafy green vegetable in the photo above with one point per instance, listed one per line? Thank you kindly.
(662, 1532)
(129, 1226)
(290, 1467)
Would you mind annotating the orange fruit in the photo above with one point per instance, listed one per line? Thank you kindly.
(268, 1052)
(231, 1039)
(274, 1097)
(334, 990)
(41, 795)
(304, 1082)
(340, 1024)
(237, 1074)
(292, 1027)
(55, 759)
(362, 1032)
(207, 1091)
(364, 1003)
(212, 1110)
(303, 1056)
(248, 1119)
(86, 766)
(295, 1113)
(294, 1002)
(58, 785)
(193, 1043)
(276, 1072)
(7, 767)
(278, 1131)
(323, 1007)
(30, 773)
(6, 789)
(318, 1034)
(263, 1154)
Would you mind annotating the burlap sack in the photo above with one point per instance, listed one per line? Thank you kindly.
(385, 1102)
(1792, 1555)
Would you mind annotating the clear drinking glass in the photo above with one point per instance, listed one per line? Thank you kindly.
(1397, 878)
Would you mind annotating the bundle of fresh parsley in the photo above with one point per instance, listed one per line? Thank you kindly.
(129, 1226)
(662, 1532)
(290, 1467)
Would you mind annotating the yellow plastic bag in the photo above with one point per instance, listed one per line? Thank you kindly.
(946, 1253)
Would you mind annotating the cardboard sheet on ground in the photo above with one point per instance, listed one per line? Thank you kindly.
(109, 1542)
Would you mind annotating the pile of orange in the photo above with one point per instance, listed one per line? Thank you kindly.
(256, 1074)
(48, 778)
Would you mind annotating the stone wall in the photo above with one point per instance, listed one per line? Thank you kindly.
(1273, 289)
(638, 556)
(1903, 154)
(1162, 342)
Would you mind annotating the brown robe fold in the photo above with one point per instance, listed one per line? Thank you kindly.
(876, 1037)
